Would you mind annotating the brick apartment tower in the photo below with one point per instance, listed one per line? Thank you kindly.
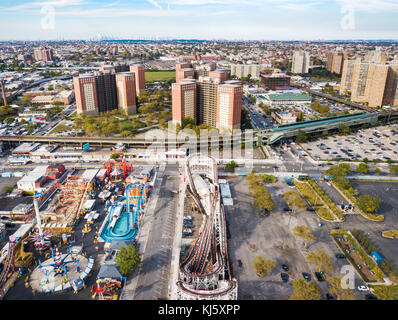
(139, 71)
(369, 82)
(229, 105)
(184, 71)
(184, 100)
(3, 92)
(335, 62)
(86, 94)
(126, 92)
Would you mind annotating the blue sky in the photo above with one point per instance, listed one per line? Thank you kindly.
(200, 19)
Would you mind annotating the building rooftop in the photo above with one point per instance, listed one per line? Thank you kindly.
(289, 96)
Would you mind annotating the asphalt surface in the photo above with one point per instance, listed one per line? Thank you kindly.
(272, 237)
(153, 277)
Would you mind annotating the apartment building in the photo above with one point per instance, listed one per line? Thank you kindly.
(208, 101)
(243, 70)
(335, 62)
(126, 92)
(43, 54)
(139, 70)
(184, 100)
(371, 83)
(300, 62)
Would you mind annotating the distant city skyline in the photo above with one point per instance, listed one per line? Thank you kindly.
(199, 19)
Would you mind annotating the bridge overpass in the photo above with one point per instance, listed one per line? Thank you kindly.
(258, 138)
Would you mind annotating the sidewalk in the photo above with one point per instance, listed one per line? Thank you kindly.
(175, 257)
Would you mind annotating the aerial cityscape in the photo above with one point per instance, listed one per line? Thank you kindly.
(199, 150)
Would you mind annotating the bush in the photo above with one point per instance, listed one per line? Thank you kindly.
(128, 259)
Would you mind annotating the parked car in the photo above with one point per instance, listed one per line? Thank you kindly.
(284, 277)
(363, 288)
(319, 276)
(306, 276)
(370, 296)
(187, 232)
(330, 297)
(340, 256)
(285, 267)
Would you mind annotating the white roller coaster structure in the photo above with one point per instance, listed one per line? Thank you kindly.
(205, 273)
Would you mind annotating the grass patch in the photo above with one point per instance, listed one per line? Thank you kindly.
(314, 200)
(386, 292)
(61, 128)
(152, 76)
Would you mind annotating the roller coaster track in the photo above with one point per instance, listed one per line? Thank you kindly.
(8, 264)
(204, 273)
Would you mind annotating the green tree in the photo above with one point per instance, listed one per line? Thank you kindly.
(394, 169)
(301, 136)
(305, 233)
(128, 259)
(378, 170)
(268, 178)
(321, 260)
(114, 156)
(263, 267)
(344, 129)
(187, 122)
(8, 188)
(163, 123)
(231, 166)
(9, 120)
(363, 168)
(335, 288)
(304, 290)
(294, 201)
(368, 203)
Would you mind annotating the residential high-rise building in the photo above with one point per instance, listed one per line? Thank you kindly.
(139, 71)
(184, 100)
(300, 62)
(208, 101)
(370, 82)
(113, 87)
(376, 56)
(86, 94)
(243, 70)
(184, 71)
(229, 105)
(126, 92)
(335, 62)
(43, 54)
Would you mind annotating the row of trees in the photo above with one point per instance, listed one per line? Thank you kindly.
(261, 195)
(367, 203)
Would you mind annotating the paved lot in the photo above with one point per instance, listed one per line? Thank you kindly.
(376, 143)
(153, 277)
(387, 193)
(273, 238)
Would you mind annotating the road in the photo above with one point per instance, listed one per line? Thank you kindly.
(153, 277)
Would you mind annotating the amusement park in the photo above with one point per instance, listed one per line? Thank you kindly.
(67, 243)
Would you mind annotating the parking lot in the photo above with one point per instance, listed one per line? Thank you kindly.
(272, 237)
(379, 144)
(386, 192)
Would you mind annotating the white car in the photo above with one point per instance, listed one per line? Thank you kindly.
(363, 288)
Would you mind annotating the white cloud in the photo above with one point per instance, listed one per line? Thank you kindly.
(39, 4)
(157, 5)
